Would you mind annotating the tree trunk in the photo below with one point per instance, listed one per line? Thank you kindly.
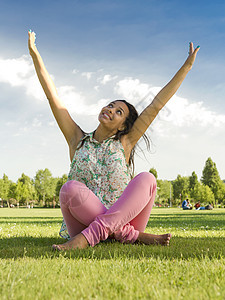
(43, 199)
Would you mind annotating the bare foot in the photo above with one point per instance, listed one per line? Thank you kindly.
(153, 239)
(77, 242)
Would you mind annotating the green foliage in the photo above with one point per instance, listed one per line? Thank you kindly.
(44, 188)
(203, 194)
(180, 187)
(210, 173)
(25, 189)
(164, 191)
(193, 181)
(60, 183)
(12, 190)
(211, 178)
(206, 195)
(45, 185)
(154, 172)
(4, 188)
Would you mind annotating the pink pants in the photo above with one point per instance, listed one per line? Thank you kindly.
(84, 213)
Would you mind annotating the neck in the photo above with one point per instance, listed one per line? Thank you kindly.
(102, 133)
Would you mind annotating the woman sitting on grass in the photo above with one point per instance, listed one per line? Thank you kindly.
(99, 201)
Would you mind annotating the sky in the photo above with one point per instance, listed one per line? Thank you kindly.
(97, 51)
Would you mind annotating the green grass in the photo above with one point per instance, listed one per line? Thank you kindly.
(192, 267)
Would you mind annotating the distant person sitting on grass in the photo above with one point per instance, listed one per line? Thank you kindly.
(186, 205)
(207, 207)
(100, 201)
(197, 205)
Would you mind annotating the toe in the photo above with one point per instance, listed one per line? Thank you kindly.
(56, 247)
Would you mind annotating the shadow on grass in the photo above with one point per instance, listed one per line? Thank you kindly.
(180, 248)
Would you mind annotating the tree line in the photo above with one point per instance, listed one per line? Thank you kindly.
(209, 189)
(43, 189)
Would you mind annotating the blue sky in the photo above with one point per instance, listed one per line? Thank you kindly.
(97, 51)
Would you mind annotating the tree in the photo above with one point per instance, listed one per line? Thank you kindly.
(193, 180)
(154, 172)
(25, 191)
(4, 188)
(12, 191)
(19, 191)
(211, 178)
(180, 187)
(45, 185)
(60, 183)
(194, 186)
(206, 195)
(164, 191)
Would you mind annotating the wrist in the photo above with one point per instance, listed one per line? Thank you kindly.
(187, 66)
(33, 51)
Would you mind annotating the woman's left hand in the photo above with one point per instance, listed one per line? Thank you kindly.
(192, 55)
(31, 41)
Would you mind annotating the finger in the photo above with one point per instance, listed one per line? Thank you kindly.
(195, 52)
(197, 49)
(191, 48)
(30, 32)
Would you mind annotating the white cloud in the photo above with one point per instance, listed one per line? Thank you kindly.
(132, 89)
(87, 75)
(184, 113)
(179, 112)
(19, 72)
(107, 78)
(15, 71)
(75, 102)
(75, 71)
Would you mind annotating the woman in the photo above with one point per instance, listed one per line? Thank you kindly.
(99, 201)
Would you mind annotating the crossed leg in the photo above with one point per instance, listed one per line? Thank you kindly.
(89, 222)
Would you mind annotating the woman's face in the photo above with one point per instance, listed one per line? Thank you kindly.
(114, 115)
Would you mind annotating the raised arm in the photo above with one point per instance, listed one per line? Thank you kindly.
(150, 112)
(69, 128)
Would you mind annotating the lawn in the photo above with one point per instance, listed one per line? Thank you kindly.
(192, 267)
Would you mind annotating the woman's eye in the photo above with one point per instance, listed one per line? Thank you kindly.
(119, 111)
(110, 105)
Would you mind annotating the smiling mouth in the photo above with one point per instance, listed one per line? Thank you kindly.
(106, 115)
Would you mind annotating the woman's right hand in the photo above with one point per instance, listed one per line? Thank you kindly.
(31, 41)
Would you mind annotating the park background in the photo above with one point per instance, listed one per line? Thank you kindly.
(43, 190)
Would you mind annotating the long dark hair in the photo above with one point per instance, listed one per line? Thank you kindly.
(128, 124)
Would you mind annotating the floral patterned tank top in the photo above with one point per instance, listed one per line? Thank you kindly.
(102, 168)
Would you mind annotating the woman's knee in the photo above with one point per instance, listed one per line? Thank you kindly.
(70, 190)
(147, 178)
